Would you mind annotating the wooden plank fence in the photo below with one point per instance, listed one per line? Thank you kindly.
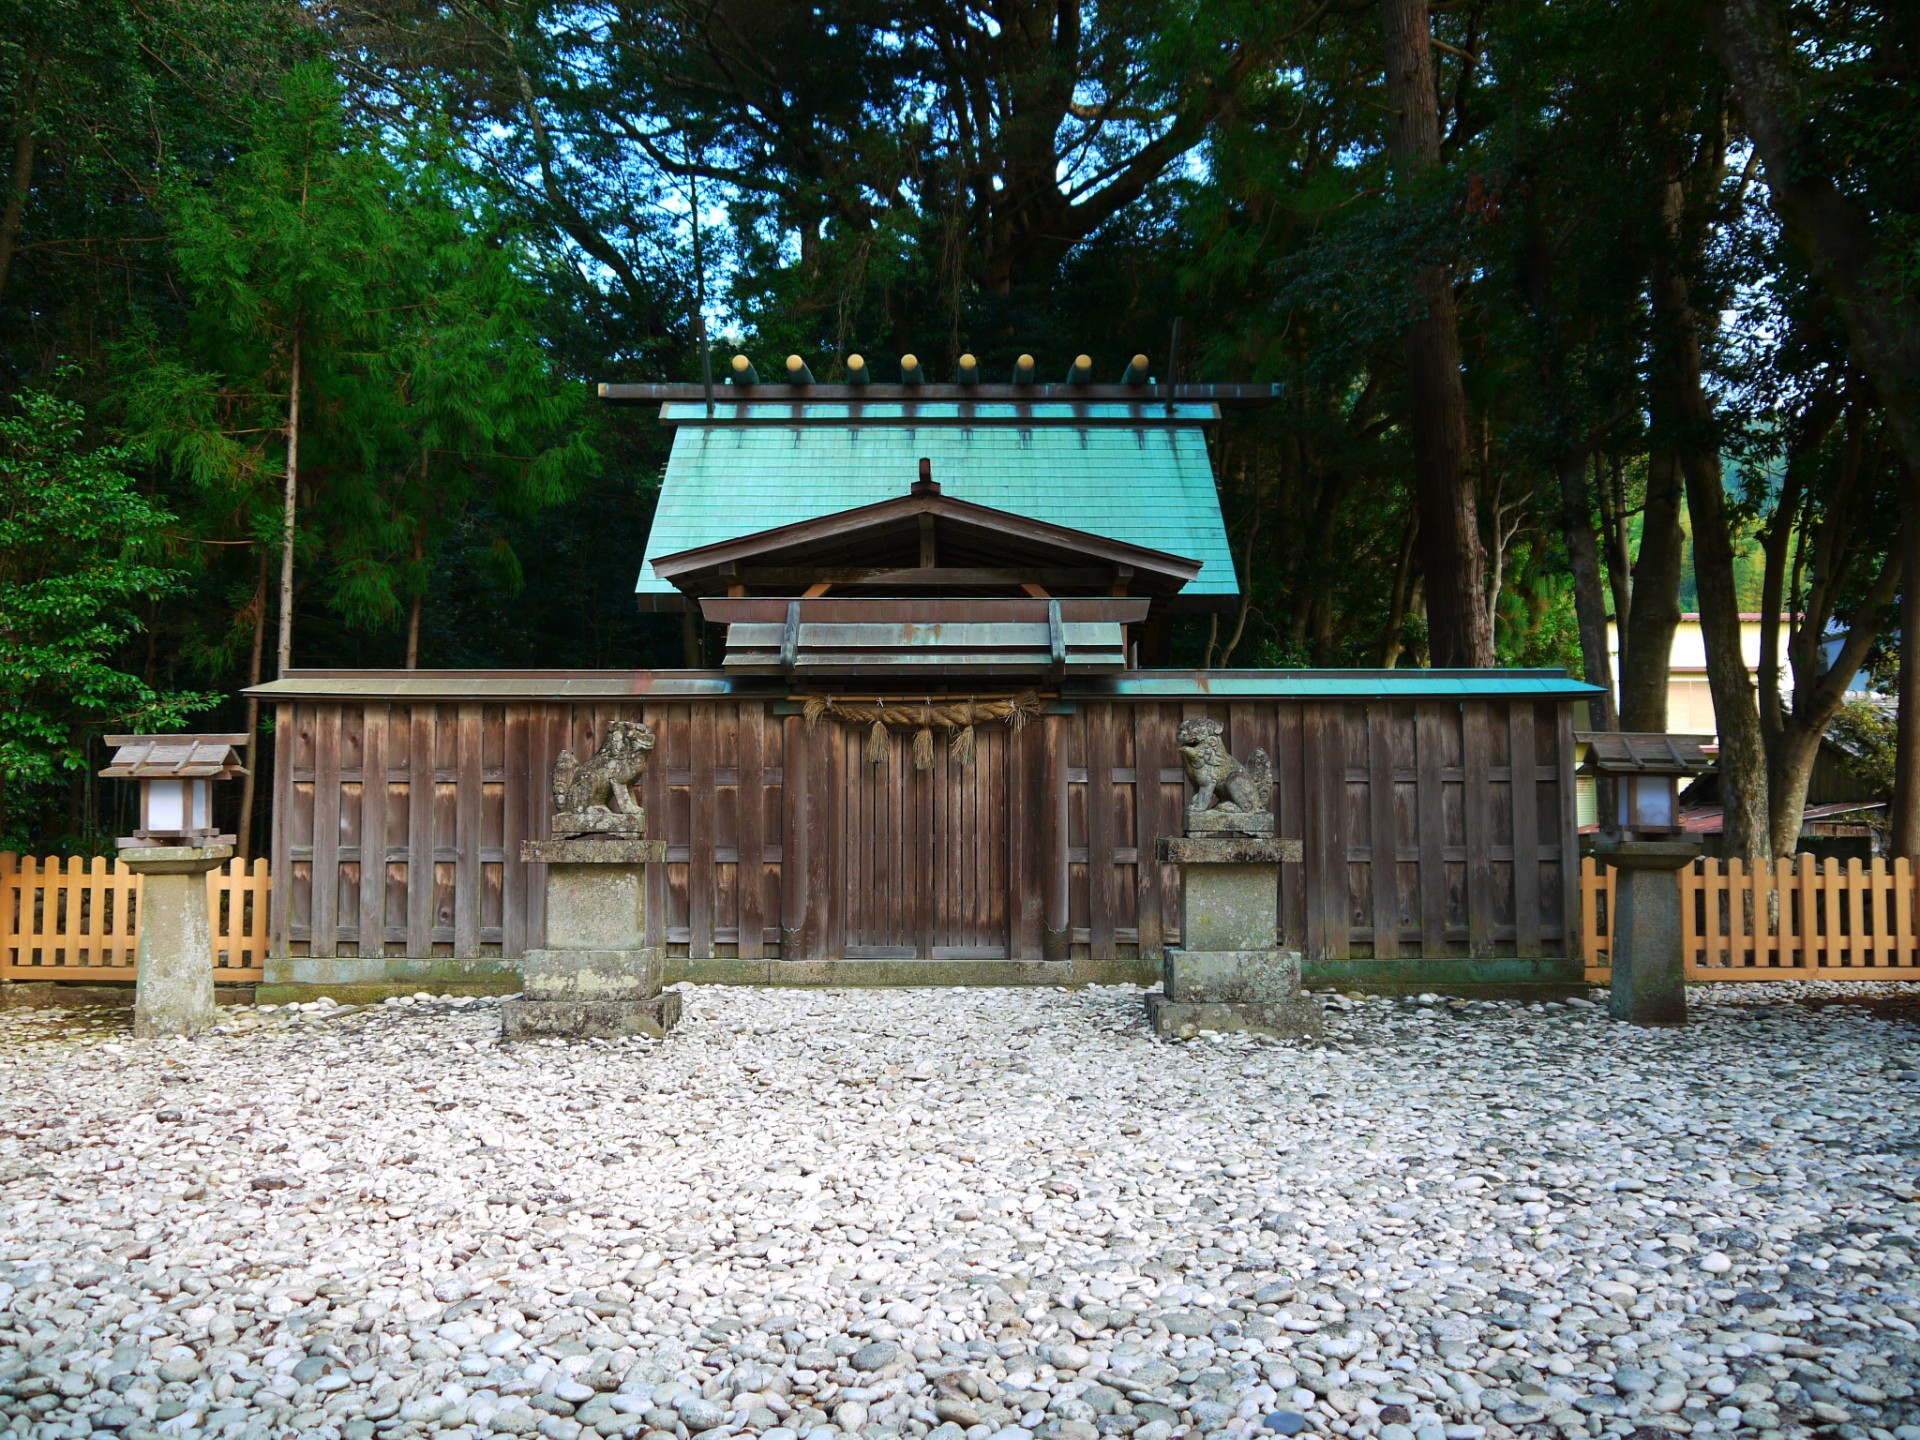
(1798, 919)
(78, 918)
(1431, 829)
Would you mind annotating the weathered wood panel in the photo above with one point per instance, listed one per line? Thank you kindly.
(925, 854)
(1429, 829)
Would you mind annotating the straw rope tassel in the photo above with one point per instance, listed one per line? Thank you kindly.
(923, 739)
(961, 746)
(957, 717)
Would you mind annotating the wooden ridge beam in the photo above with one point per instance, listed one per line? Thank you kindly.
(726, 396)
(923, 576)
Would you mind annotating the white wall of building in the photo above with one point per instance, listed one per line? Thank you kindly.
(1689, 700)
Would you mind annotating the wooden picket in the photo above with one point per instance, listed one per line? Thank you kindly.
(77, 918)
(1798, 919)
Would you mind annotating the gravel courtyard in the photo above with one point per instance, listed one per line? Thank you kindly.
(971, 1213)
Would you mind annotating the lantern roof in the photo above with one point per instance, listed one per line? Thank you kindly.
(174, 757)
(1627, 752)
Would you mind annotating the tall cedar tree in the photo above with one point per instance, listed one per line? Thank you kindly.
(362, 351)
(475, 414)
(1458, 624)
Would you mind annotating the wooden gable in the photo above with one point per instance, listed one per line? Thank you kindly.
(925, 543)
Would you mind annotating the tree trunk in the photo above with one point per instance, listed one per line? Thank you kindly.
(1850, 260)
(1452, 560)
(283, 655)
(417, 576)
(1683, 426)
(1904, 837)
(1818, 695)
(418, 601)
(1736, 711)
(1393, 642)
(1246, 587)
(1589, 603)
(1646, 645)
(249, 781)
(1820, 689)
(1612, 492)
(1789, 769)
(20, 184)
(1774, 544)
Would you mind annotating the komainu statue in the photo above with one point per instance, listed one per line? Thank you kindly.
(595, 795)
(1220, 782)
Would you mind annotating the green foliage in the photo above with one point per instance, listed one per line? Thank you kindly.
(1535, 623)
(1870, 736)
(470, 406)
(423, 373)
(110, 97)
(77, 546)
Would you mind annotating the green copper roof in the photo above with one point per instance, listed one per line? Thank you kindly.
(1405, 684)
(1149, 485)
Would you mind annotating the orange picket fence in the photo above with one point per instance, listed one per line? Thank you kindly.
(1798, 919)
(78, 918)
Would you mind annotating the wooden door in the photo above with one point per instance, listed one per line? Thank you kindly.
(924, 853)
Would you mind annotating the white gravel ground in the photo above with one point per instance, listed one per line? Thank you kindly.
(972, 1213)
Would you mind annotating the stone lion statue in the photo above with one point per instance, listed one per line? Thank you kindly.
(604, 782)
(1221, 782)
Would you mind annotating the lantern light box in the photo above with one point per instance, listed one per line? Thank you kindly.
(1646, 768)
(176, 775)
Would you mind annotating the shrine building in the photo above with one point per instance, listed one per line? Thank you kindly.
(924, 732)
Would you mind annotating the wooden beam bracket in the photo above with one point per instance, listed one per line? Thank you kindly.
(790, 638)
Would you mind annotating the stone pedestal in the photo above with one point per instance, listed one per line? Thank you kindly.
(630, 824)
(1228, 974)
(1649, 976)
(173, 994)
(596, 977)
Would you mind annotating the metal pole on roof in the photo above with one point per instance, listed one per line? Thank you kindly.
(699, 279)
(706, 357)
(1173, 362)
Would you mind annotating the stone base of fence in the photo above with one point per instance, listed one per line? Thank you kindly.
(104, 995)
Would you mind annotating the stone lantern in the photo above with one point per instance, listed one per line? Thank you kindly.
(1646, 770)
(1644, 840)
(176, 775)
(174, 846)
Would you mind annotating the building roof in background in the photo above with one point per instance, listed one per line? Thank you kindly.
(1712, 819)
